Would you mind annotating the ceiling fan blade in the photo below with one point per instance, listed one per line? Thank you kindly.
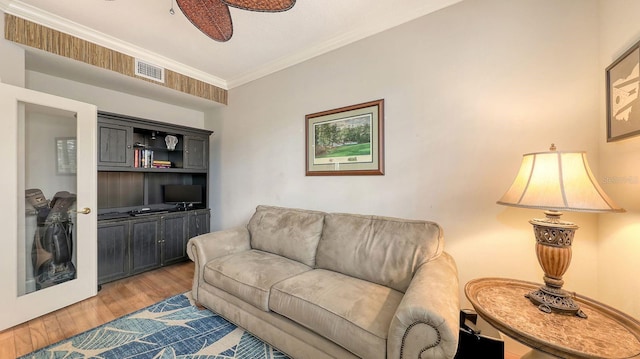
(261, 5)
(212, 17)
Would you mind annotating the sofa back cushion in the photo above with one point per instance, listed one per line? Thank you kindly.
(291, 233)
(383, 250)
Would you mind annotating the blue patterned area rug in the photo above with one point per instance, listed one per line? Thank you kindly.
(173, 328)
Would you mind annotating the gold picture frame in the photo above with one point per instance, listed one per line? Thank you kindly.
(623, 99)
(346, 141)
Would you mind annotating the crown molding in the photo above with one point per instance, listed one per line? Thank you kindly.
(361, 32)
(61, 24)
(369, 28)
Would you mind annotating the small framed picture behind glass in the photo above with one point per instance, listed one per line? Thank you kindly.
(66, 155)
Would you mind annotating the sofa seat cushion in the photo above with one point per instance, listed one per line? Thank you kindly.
(351, 312)
(250, 275)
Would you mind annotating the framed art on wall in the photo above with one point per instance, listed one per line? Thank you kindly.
(623, 106)
(346, 141)
(66, 156)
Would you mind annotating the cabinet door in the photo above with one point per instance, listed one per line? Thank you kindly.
(198, 222)
(113, 256)
(174, 238)
(115, 145)
(145, 245)
(196, 152)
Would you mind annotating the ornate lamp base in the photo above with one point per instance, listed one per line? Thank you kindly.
(553, 248)
(550, 300)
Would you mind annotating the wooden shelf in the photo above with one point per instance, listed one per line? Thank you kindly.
(152, 170)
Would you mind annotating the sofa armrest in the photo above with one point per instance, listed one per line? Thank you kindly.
(426, 323)
(205, 247)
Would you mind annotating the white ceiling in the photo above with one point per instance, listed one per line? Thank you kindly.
(262, 43)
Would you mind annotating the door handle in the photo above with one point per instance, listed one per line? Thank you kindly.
(85, 210)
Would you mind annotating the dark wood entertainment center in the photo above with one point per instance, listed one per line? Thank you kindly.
(137, 230)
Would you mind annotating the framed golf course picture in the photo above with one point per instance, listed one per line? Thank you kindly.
(346, 141)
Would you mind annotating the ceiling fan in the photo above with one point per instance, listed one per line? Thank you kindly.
(213, 18)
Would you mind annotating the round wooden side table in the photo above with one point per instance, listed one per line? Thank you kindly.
(605, 333)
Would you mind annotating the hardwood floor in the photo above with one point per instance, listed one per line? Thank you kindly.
(114, 300)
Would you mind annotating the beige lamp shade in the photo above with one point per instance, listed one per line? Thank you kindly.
(559, 181)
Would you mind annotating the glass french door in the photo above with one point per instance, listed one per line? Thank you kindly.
(48, 256)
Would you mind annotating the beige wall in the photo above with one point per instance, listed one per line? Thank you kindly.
(619, 245)
(467, 91)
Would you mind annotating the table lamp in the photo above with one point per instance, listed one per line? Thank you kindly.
(555, 181)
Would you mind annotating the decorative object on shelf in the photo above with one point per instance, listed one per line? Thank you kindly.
(213, 18)
(623, 86)
(171, 142)
(346, 141)
(555, 181)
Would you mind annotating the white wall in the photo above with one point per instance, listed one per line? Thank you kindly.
(11, 60)
(619, 246)
(41, 133)
(467, 91)
(114, 101)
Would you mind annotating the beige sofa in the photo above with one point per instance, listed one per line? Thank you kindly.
(331, 285)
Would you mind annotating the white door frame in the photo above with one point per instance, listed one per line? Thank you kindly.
(15, 309)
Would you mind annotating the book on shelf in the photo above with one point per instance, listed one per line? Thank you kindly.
(143, 158)
(161, 164)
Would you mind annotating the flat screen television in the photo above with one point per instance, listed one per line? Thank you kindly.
(182, 193)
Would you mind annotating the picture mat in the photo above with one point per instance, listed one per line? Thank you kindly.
(624, 107)
(372, 165)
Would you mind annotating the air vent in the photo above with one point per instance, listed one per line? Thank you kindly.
(149, 71)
